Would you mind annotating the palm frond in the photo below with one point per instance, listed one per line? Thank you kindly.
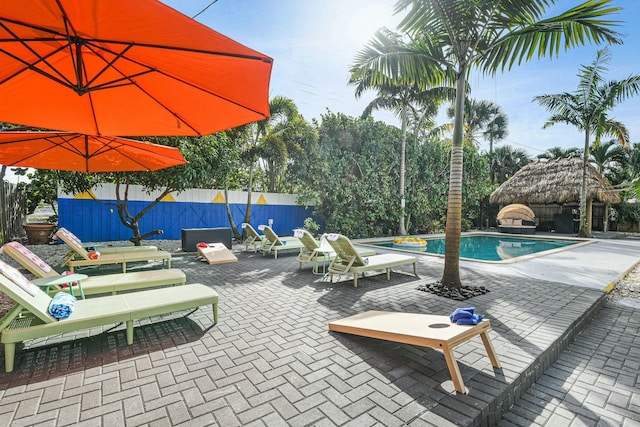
(529, 37)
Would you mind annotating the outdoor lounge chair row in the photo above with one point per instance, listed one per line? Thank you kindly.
(107, 283)
(30, 318)
(338, 249)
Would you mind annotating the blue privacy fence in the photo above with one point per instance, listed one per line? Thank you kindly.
(92, 221)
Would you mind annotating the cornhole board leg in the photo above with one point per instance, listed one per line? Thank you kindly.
(217, 253)
(423, 330)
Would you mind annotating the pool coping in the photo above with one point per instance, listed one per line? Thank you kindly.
(582, 242)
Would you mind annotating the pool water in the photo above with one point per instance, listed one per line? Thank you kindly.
(492, 248)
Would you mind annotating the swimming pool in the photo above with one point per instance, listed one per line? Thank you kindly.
(487, 247)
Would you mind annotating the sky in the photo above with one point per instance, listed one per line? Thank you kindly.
(314, 42)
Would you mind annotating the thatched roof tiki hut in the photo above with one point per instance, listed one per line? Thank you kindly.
(555, 182)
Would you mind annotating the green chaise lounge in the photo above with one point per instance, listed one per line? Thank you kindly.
(348, 260)
(319, 251)
(253, 238)
(273, 243)
(107, 283)
(30, 318)
(80, 256)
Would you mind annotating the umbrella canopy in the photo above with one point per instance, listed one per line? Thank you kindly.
(554, 182)
(124, 67)
(84, 153)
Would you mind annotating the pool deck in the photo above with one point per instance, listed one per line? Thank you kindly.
(272, 361)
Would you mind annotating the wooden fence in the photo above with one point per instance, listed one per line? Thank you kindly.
(12, 211)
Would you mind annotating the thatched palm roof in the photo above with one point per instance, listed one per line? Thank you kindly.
(554, 182)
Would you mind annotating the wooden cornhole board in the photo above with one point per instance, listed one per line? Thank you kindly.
(424, 330)
(217, 253)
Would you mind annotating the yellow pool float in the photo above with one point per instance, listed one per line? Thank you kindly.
(410, 242)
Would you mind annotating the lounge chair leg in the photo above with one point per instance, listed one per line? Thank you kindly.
(124, 267)
(388, 273)
(415, 273)
(355, 280)
(169, 263)
(9, 356)
(129, 332)
(215, 313)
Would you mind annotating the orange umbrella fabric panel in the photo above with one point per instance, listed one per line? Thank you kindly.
(124, 67)
(84, 153)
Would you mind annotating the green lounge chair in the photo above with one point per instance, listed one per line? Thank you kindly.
(348, 260)
(273, 243)
(108, 283)
(253, 238)
(30, 318)
(80, 256)
(319, 251)
(68, 235)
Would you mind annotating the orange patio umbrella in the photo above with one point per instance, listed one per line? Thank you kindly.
(84, 153)
(124, 67)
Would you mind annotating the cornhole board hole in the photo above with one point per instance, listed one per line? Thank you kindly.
(423, 330)
(217, 253)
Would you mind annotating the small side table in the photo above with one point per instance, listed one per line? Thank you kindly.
(48, 282)
(326, 255)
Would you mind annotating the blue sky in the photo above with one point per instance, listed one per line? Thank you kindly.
(313, 43)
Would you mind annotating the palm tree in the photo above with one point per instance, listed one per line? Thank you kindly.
(588, 110)
(251, 135)
(608, 157)
(401, 100)
(506, 161)
(482, 118)
(451, 36)
(560, 153)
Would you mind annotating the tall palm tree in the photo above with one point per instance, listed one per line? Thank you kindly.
(401, 100)
(454, 36)
(588, 110)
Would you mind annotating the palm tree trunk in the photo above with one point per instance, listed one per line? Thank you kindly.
(247, 213)
(451, 275)
(403, 142)
(583, 231)
(234, 229)
(589, 217)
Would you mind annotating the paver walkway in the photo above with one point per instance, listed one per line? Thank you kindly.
(271, 361)
(595, 382)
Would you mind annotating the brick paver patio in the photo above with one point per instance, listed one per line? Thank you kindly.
(271, 360)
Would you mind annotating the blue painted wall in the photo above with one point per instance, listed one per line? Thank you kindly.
(95, 222)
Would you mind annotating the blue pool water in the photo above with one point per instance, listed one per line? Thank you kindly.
(492, 248)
